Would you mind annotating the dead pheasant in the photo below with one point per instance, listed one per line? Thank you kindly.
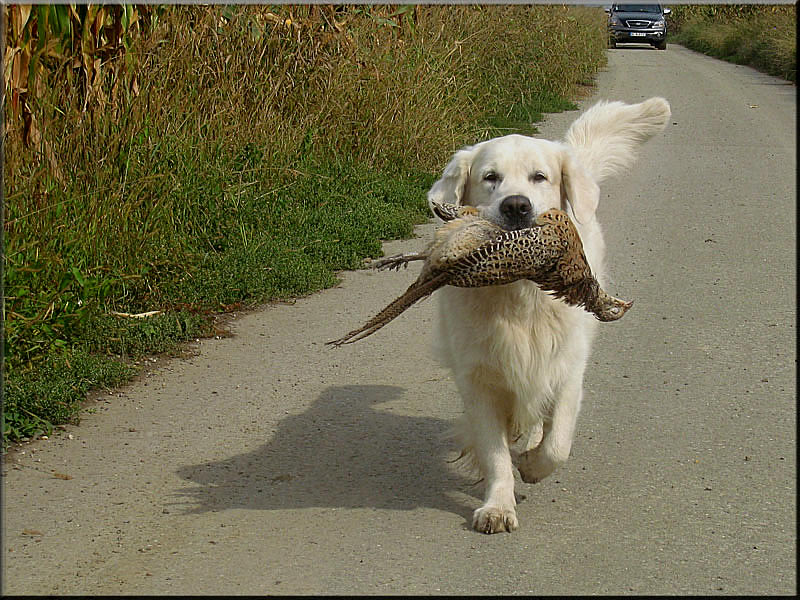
(470, 251)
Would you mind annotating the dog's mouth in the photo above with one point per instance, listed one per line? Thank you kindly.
(516, 224)
(508, 221)
(513, 223)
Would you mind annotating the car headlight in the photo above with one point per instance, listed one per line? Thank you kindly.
(614, 21)
(658, 24)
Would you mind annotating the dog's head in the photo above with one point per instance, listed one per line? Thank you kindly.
(514, 178)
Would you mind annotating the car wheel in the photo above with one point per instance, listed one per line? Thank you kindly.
(612, 44)
(661, 45)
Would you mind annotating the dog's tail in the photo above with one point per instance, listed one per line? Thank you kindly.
(605, 137)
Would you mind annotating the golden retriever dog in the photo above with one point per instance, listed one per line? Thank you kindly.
(518, 355)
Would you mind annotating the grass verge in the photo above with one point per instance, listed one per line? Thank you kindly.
(246, 154)
(763, 37)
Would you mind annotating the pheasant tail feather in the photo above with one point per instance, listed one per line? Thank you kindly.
(414, 293)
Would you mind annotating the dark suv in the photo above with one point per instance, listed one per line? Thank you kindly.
(637, 23)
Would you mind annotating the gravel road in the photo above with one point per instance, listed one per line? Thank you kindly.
(269, 463)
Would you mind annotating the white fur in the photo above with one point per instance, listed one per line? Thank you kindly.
(517, 355)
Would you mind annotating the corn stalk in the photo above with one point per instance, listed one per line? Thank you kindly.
(66, 45)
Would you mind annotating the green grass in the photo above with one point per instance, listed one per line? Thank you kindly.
(292, 242)
(284, 244)
(763, 37)
(519, 117)
(211, 178)
(52, 395)
(104, 354)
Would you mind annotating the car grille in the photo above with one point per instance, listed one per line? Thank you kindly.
(637, 23)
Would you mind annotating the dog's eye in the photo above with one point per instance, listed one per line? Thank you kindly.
(539, 176)
(491, 176)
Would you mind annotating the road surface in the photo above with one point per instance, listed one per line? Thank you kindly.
(269, 463)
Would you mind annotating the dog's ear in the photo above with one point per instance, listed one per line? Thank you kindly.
(452, 187)
(578, 190)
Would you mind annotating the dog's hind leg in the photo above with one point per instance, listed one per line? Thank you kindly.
(539, 462)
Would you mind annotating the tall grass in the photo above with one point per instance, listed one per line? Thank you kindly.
(246, 154)
(761, 36)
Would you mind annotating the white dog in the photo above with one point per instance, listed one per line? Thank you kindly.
(518, 355)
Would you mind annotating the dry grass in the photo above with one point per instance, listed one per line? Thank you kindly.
(247, 153)
(761, 36)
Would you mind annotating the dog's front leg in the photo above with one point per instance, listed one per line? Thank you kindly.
(539, 462)
(488, 438)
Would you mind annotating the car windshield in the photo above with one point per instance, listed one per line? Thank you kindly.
(648, 8)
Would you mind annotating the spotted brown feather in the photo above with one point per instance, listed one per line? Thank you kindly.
(469, 251)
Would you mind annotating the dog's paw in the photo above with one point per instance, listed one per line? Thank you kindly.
(534, 465)
(493, 519)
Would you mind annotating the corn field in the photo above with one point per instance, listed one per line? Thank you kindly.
(71, 47)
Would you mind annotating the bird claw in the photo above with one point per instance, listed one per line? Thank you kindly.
(392, 265)
(396, 261)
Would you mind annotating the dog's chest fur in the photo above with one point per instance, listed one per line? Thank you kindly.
(517, 339)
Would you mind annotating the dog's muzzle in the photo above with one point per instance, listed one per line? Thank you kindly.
(517, 212)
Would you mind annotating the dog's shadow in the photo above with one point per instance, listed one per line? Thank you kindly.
(344, 451)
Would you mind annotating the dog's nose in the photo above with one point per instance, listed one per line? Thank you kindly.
(516, 208)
